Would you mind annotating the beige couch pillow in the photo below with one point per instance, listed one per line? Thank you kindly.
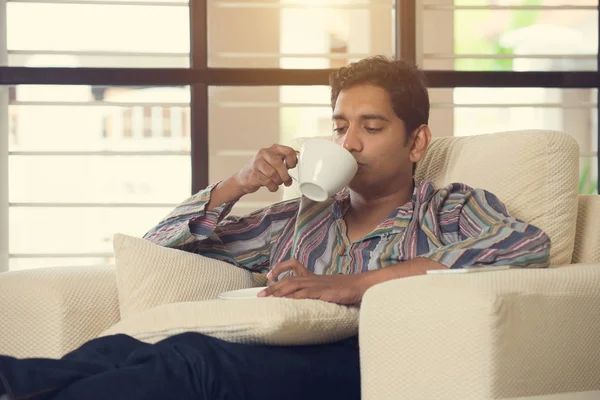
(273, 321)
(149, 275)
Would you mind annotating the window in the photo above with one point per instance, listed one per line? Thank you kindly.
(516, 36)
(92, 34)
(509, 35)
(275, 36)
(275, 33)
(86, 162)
(285, 113)
(92, 152)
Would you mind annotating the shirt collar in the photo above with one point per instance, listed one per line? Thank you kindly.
(341, 205)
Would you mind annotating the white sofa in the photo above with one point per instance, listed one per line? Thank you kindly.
(489, 335)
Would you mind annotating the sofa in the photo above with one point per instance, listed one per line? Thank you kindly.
(508, 334)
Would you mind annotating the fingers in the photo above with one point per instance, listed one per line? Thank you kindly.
(305, 293)
(290, 155)
(281, 267)
(277, 158)
(269, 169)
(264, 167)
(284, 288)
(288, 265)
(264, 180)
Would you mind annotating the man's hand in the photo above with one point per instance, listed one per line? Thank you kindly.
(268, 168)
(292, 267)
(340, 289)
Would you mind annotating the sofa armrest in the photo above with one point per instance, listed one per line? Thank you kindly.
(48, 312)
(487, 335)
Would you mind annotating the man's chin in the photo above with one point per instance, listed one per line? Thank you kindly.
(360, 185)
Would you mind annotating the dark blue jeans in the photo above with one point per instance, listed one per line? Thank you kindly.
(186, 366)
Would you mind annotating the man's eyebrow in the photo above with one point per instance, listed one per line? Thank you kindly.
(374, 116)
(363, 116)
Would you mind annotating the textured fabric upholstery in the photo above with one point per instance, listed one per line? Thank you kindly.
(587, 237)
(587, 395)
(535, 173)
(257, 321)
(486, 335)
(259, 279)
(149, 275)
(50, 311)
(160, 292)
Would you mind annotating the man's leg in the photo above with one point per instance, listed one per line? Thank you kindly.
(259, 372)
(45, 376)
(198, 367)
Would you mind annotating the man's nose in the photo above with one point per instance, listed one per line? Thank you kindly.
(352, 141)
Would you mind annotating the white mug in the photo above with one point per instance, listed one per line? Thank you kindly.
(324, 168)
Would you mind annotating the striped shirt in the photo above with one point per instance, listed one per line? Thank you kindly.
(457, 226)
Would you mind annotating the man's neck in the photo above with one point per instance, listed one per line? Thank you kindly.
(382, 204)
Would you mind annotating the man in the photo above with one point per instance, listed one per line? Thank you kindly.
(382, 226)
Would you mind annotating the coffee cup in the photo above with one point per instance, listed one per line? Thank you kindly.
(324, 168)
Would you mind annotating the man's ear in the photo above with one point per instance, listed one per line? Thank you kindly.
(422, 138)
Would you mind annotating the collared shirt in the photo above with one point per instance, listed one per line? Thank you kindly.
(457, 226)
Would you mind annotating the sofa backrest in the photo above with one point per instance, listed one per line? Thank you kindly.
(534, 173)
(587, 237)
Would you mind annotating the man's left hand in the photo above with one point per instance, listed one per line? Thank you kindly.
(340, 289)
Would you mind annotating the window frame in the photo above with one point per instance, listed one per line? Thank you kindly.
(4, 96)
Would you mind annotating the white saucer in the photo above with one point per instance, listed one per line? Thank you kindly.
(250, 293)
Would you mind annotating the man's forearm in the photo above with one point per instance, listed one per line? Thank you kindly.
(225, 192)
(416, 266)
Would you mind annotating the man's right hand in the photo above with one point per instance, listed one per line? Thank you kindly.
(269, 168)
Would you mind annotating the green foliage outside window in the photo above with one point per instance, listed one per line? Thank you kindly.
(587, 185)
(467, 40)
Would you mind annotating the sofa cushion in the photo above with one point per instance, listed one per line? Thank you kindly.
(149, 275)
(273, 321)
(535, 173)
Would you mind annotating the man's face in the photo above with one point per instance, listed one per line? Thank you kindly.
(365, 124)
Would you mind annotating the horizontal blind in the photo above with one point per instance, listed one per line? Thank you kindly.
(514, 35)
(86, 162)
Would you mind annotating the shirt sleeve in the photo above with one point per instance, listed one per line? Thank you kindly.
(244, 241)
(475, 229)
